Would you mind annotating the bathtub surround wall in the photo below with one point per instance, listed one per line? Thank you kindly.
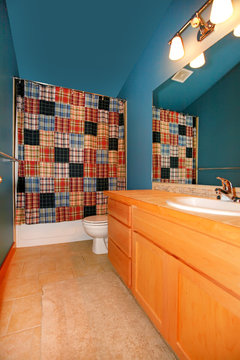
(8, 69)
(49, 234)
(71, 148)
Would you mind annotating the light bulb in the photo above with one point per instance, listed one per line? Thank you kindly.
(198, 61)
(236, 31)
(221, 11)
(176, 48)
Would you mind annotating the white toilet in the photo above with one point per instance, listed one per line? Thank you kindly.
(97, 227)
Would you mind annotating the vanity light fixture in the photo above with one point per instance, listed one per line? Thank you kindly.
(236, 31)
(198, 61)
(221, 11)
(176, 48)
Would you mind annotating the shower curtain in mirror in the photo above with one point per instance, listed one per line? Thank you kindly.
(71, 148)
(174, 147)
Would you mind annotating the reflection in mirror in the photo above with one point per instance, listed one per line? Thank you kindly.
(210, 94)
(174, 148)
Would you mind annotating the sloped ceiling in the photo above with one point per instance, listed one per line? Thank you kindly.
(220, 59)
(88, 45)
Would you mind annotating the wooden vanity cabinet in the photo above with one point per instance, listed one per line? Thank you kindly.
(187, 280)
(198, 318)
(119, 239)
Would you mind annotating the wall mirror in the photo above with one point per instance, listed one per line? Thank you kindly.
(211, 94)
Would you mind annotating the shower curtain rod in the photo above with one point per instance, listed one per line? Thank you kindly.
(85, 92)
(221, 168)
(181, 113)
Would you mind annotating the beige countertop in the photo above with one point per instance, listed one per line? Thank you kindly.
(225, 228)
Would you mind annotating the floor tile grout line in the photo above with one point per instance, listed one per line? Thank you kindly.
(9, 319)
(21, 297)
(22, 330)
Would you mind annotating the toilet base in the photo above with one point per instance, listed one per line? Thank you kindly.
(99, 247)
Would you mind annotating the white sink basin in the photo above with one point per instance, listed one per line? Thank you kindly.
(207, 206)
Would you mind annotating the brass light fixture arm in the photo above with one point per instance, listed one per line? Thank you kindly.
(197, 13)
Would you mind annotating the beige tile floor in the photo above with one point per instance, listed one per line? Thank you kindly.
(21, 291)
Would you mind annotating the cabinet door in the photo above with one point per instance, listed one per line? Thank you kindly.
(148, 274)
(206, 319)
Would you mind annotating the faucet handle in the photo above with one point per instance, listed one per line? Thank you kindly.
(223, 182)
(227, 185)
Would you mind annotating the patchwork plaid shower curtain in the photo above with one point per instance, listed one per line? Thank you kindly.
(174, 147)
(71, 148)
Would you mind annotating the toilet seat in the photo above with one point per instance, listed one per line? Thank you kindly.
(96, 219)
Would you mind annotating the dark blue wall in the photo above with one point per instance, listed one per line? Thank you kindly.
(6, 210)
(152, 69)
(8, 69)
(219, 128)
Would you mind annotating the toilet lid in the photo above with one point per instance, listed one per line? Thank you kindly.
(96, 219)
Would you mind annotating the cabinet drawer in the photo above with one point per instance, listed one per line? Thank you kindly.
(120, 261)
(120, 234)
(120, 211)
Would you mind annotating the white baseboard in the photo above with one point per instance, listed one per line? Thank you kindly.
(47, 234)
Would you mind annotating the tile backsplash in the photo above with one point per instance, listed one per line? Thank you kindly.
(198, 190)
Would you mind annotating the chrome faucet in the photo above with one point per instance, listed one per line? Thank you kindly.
(226, 193)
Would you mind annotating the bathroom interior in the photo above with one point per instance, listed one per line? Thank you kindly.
(120, 180)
